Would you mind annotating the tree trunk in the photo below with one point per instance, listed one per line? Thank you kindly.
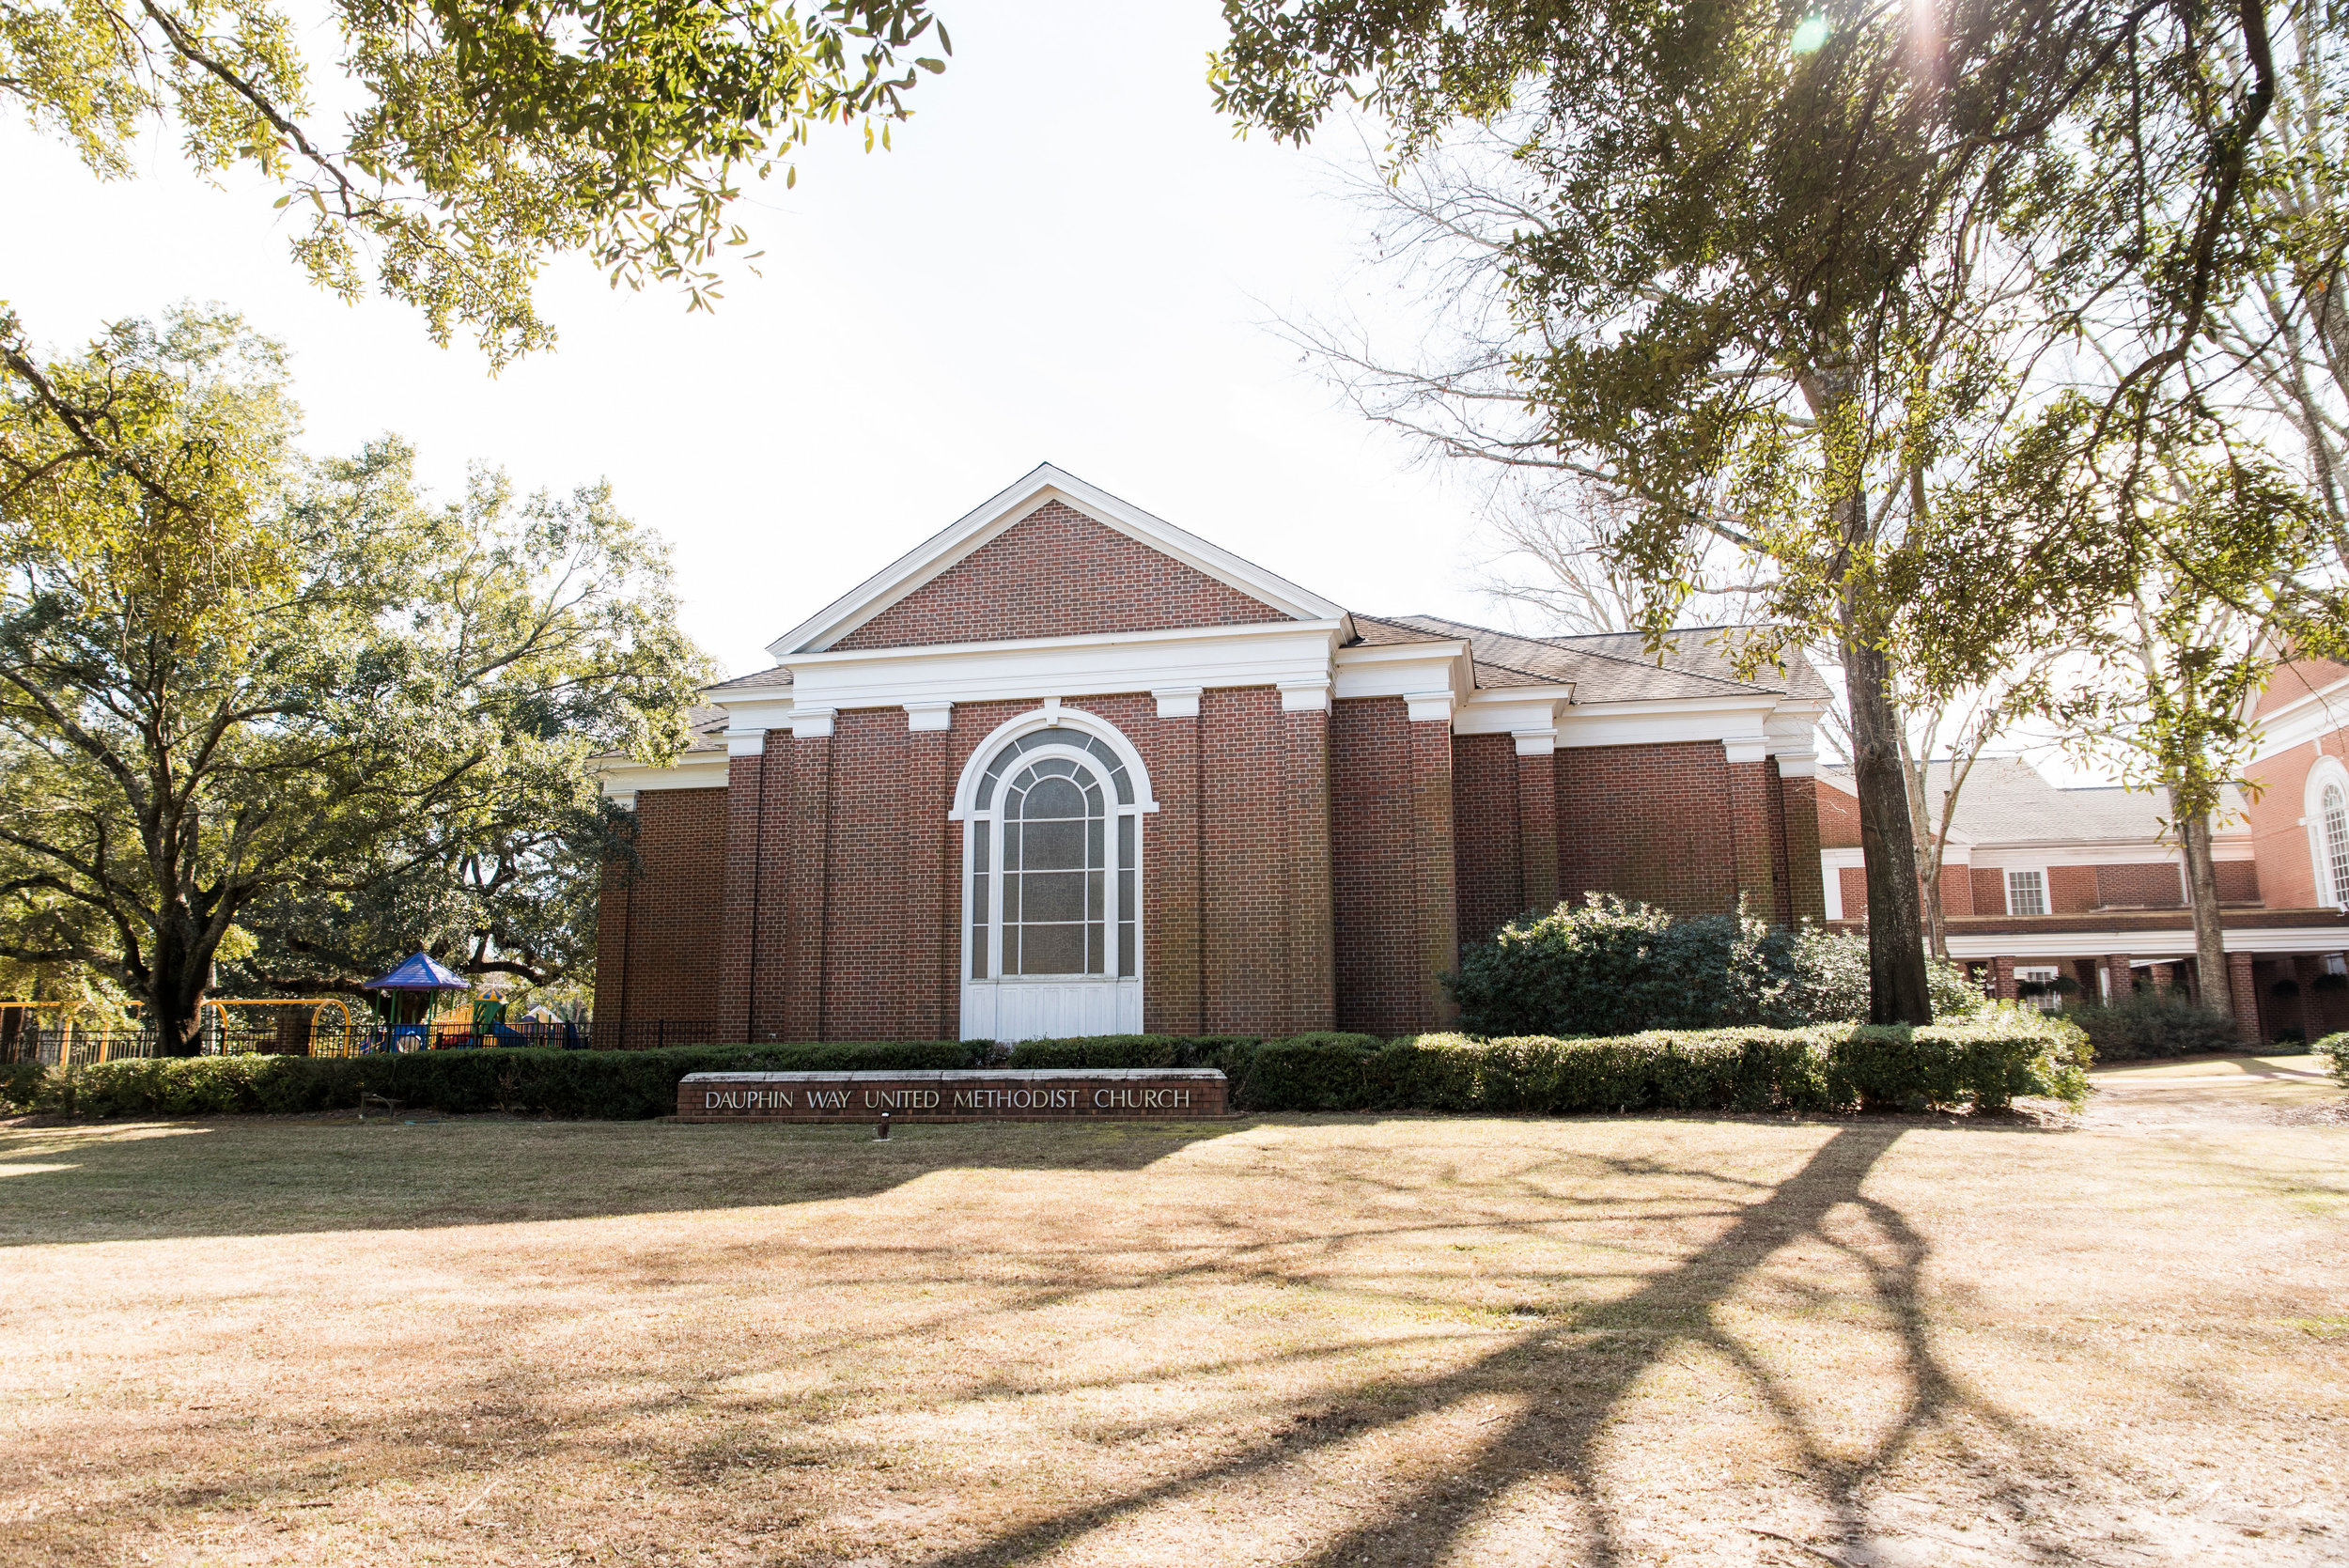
(176, 981)
(1927, 844)
(1897, 992)
(2201, 894)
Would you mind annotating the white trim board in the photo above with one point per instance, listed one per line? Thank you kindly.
(1031, 669)
(2303, 720)
(2156, 945)
(1012, 505)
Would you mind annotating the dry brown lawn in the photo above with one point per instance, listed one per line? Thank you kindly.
(1321, 1341)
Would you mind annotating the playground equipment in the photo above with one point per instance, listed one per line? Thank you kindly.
(407, 996)
(328, 1030)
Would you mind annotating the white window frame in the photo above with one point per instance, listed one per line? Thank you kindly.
(2323, 873)
(2046, 904)
(2048, 1001)
(997, 1006)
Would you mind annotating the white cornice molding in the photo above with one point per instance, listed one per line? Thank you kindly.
(1665, 721)
(1178, 701)
(1305, 696)
(1008, 507)
(623, 781)
(1031, 669)
(1400, 669)
(1536, 743)
(1509, 710)
(2303, 720)
(1428, 707)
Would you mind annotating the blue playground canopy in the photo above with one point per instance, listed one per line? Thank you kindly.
(419, 973)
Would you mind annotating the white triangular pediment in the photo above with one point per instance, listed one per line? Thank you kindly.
(1004, 511)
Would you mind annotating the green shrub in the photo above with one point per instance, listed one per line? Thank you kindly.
(612, 1085)
(2334, 1049)
(1129, 1050)
(19, 1085)
(1611, 968)
(2148, 1024)
(1984, 1061)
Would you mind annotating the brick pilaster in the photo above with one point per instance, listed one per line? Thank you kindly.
(2119, 978)
(1311, 959)
(2002, 978)
(1805, 878)
(1174, 997)
(808, 879)
(1435, 873)
(1537, 831)
(1750, 825)
(769, 964)
(933, 913)
(2243, 993)
(737, 935)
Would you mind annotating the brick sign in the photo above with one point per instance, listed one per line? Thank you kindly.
(1037, 1095)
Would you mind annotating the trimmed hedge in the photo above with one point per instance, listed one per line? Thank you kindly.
(1984, 1061)
(2145, 1026)
(609, 1085)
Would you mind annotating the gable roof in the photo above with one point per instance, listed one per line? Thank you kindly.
(2007, 801)
(1006, 507)
(1607, 667)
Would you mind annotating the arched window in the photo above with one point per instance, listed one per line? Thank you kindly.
(1052, 904)
(2333, 820)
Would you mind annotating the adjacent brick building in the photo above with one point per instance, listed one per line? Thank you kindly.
(1066, 768)
(2046, 885)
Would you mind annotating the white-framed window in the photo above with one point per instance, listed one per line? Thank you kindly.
(1054, 858)
(2027, 892)
(2037, 983)
(2332, 819)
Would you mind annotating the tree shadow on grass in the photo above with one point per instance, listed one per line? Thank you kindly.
(258, 1176)
(1565, 1388)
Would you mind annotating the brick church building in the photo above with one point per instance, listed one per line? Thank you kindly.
(1066, 768)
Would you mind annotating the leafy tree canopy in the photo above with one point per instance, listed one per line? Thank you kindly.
(287, 715)
(485, 135)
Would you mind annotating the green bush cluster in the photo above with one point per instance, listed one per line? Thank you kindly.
(1984, 1061)
(2334, 1049)
(2144, 1025)
(1607, 967)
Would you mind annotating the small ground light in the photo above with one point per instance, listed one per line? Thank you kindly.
(880, 1134)
(1810, 34)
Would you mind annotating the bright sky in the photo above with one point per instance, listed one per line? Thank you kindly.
(1067, 257)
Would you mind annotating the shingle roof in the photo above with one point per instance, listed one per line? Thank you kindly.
(2007, 801)
(1610, 667)
(775, 675)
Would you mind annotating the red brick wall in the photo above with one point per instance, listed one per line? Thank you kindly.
(1057, 573)
(1647, 822)
(2238, 881)
(1957, 890)
(1989, 892)
(858, 931)
(2070, 889)
(1853, 879)
(2279, 841)
(1489, 867)
(2147, 886)
(1839, 818)
(1392, 859)
(656, 956)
